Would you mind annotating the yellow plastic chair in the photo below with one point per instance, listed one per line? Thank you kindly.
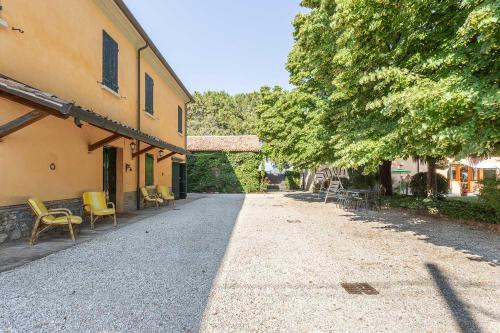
(46, 219)
(146, 197)
(165, 193)
(94, 203)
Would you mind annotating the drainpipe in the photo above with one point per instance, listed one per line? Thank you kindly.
(138, 143)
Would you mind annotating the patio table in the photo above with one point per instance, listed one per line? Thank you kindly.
(359, 197)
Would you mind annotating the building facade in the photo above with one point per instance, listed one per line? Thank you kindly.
(87, 103)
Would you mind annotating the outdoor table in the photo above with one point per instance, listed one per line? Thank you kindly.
(360, 194)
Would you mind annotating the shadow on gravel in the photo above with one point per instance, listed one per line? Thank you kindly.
(151, 276)
(200, 260)
(305, 197)
(480, 245)
(462, 316)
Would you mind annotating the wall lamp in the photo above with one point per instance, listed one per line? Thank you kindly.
(133, 146)
(161, 153)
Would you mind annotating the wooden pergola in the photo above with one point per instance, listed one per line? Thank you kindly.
(44, 104)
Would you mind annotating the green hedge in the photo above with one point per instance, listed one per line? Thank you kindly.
(292, 180)
(467, 210)
(225, 172)
(418, 184)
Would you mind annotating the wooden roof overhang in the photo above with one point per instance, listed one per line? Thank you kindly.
(44, 104)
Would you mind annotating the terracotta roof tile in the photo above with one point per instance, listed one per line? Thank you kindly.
(230, 143)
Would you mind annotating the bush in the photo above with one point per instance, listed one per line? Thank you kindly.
(292, 180)
(490, 194)
(467, 210)
(225, 172)
(358, 179)
(418, 184)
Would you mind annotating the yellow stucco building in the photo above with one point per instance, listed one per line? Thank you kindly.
(87, 102)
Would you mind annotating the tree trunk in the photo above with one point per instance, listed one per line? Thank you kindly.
(431, 178)
(386, 178)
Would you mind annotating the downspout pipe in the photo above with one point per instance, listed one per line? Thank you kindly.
(138, 143)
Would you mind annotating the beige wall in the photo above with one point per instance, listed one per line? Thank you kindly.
(60, 52)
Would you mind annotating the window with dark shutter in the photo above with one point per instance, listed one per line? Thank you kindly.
(109, 62)
(149, 84)
(179, 119)
(150, 180)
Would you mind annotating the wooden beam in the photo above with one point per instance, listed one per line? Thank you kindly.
(142, 151)
(104, 141)
(166, 156)
(21, 122)
(31, 104)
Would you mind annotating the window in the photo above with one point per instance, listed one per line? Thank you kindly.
(150, 179)
(179, 119)
(109, 62)
(149, 84)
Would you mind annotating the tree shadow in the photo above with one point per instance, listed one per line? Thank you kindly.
(156, 274)
(306, 196)
(479, 245)
(461, 315)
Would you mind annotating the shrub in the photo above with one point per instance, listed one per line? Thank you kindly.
(358, 179)
(467, 210)
(490, 194)
(225, 172)
(292, 180)
(418, 184)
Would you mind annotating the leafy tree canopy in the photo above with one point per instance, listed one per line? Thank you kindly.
(218, 113)
(389, 79)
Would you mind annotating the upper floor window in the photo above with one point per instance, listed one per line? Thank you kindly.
(179, 119)
(149, 84)
(109, 62)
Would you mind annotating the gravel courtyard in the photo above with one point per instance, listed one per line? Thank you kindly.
(263, 263)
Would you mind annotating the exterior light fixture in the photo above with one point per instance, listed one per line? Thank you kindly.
(133, 146)
(161, 152)
(3, 24)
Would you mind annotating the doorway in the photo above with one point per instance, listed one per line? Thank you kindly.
(179, 180)
(176, 171)
(109, 173)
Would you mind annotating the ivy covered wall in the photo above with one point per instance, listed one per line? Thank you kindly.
(225, 172)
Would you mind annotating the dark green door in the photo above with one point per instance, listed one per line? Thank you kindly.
(183, 181)
(176, 171)
(109, 173)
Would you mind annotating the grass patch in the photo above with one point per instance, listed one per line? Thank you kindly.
(464, 199)
(461, 209)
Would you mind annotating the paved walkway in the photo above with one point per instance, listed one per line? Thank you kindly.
(263, 263)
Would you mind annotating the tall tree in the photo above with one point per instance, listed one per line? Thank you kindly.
(400, 78)
(218, 113)
(292, 126)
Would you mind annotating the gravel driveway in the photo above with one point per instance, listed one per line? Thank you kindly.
(263, 263)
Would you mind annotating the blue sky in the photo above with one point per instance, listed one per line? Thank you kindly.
(232, 45)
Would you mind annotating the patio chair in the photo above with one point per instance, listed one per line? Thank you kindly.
(46, 219)
(94, 204)
(146, 197)
(165, 194)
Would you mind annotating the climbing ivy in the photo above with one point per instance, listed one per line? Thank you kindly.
(225, 172)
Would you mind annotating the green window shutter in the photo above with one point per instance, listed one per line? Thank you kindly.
(109, 62)
(149, 86)
(150, 170)
(179, 119)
